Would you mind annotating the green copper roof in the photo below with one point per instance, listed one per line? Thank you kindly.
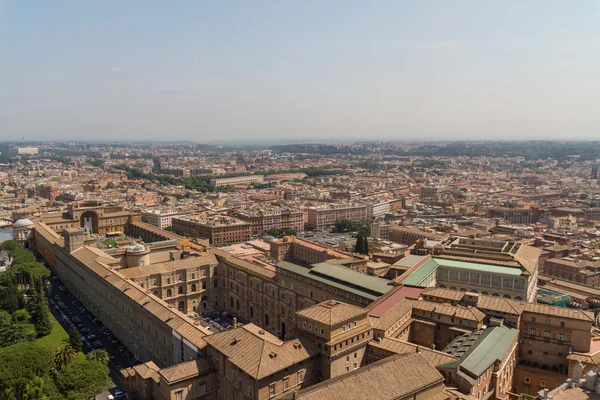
(417, 277)
(421, 273)
(477, 351)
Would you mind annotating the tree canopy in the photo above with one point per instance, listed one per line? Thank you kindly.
(82, 379)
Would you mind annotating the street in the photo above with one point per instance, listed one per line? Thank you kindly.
(71, 314)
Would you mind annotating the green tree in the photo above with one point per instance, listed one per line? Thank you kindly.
(63, 356)
(10, 246)
(98, 355)
(194, 235)
(19, 365)
(75, 340)
(359, 245)
(15, 333)
(40, 313)
(365, 245)
(9, 297)
(82, 379)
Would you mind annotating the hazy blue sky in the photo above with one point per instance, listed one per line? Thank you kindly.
(205, 70)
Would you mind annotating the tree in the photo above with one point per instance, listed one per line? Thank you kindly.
(63, 356)
(98, 355)
(75, 340)
(194, 235)
(10, 246)
(15, 333)
(19, 365)
(40, 313)
(365, 245)
(359, 247)
(9, 297)
(82, 379)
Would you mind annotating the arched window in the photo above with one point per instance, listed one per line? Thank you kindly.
(194, 287)
(203, 284)
(180, 290)
(169, 293)
(155, 293)
(506, 296)
(181, 306)
(518, 298)
(215, 283)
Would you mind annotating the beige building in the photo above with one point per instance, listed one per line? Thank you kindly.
(220, 230)
(262, 221)
(238, 180)
(325, 217)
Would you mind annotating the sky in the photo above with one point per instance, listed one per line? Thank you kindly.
(306, 70)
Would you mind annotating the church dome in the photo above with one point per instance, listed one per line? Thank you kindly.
(23, 223)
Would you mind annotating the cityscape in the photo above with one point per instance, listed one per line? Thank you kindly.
(306, 271)
(299, 200)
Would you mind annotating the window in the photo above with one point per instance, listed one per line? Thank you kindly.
(304, 325)
(300, 376)
(561, 336)
(532, 319)
(286, 383)
(562, 324)
(310, 327)
(547, 333)
(532, 331)
(179, 395)
(527, 380)
(529, 352)
(344, 328)
(543, 383)
(169, 293)
(271, 390)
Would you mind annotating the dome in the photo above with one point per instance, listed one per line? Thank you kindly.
(23, 223)
(136, 248)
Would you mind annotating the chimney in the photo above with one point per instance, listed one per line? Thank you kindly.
(545, 394)
(234, 322)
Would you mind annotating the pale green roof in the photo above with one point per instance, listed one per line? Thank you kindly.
(480, 267)
(478, 350)
(417, 277)
(421, 273)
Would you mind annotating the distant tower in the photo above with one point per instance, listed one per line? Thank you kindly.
(595, 172)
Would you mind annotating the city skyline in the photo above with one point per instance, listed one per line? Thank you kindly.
(203, 72)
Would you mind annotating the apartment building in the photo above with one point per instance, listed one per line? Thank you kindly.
(261, 221)
(517, 216)
(586, 272)
(219, 230)
(409, 236)
(380, 230)
(325, 217)
(160, 219)
(238, 180)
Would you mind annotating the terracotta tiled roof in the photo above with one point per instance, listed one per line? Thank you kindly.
(331, 312)
(186, 370)
(378, 381)
(562, 312)
(259, 353)
(471, 314)
(398, 346)
(392, 315)
(169, 266)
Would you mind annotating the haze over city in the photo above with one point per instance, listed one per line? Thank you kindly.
(200, 71)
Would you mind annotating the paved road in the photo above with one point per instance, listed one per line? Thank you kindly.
(71, 314)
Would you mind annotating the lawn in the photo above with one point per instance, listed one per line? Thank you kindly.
(56, 338)
(110, 242)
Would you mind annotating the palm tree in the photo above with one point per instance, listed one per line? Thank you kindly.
(63, 356)
(98, 355)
